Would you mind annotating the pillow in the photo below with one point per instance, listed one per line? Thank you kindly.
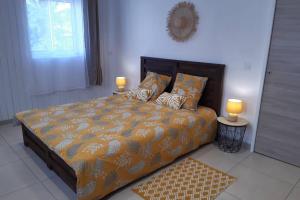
(174, 101)
(139, 94)
(157, 83)
(191, 87)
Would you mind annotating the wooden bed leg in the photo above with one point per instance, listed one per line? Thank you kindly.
(50, 166)
(26, 144)
(49, 161)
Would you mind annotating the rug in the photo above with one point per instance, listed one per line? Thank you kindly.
(188, 179)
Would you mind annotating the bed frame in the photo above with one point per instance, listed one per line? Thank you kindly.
(212, 98)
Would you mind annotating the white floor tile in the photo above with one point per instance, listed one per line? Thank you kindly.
(23, 151)
(15, 176)
(295, 194)
(7, 155)
(4, 127)
(221, 160)
(226, 196)
(274, 168)
(39, 168)
(34, 192)
(251, 184)
(125, 194)
(59, 189)
(258, 177)
(11, 134)
(203, 150)
(2, 142)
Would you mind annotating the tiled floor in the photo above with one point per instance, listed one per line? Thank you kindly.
(24, 176)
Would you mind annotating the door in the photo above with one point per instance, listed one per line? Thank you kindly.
(278, 133)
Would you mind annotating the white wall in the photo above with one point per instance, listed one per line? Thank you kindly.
(231, 32)
(13, 97)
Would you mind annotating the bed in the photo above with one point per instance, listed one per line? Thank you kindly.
(100, 145)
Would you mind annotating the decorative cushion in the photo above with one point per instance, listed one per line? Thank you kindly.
(140, 94)
(157, 83)
(174, 101)
(191, 87)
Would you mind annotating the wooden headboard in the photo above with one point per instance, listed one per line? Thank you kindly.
(212, 96)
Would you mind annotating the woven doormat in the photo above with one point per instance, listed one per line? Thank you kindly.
(188, 179)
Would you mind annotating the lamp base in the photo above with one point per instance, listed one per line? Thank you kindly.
(120, 89)
(232, 118)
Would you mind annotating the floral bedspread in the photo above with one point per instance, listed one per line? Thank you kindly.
(112, 141)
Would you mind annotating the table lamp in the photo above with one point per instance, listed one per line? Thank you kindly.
(234, 107)
(121, 83)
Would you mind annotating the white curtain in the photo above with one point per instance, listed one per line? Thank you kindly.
(54, 42)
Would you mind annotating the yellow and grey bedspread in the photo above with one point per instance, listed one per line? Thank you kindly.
(112, 141)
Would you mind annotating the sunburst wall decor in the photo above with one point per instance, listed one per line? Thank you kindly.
(183, 20)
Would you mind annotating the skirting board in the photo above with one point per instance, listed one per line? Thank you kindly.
(5, 122)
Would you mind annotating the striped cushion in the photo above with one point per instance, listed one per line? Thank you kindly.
(140, 94)
(173, 101)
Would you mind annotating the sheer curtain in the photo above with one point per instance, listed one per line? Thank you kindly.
(55, 43)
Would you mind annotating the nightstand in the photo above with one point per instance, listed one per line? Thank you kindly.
(231, 134)
(119, 93)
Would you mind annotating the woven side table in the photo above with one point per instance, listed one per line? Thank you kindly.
(231, 134)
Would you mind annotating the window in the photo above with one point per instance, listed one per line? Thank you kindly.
(55, 28)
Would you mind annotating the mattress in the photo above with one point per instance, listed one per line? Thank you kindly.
(109, 142)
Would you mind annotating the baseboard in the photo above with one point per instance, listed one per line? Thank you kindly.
(5, 122)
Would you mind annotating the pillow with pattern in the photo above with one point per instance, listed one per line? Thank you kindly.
(174, 101)
(191, 87)
(157, 83)
(140, 94)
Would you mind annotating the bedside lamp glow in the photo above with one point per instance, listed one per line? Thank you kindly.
(234, 107)
(121, 83)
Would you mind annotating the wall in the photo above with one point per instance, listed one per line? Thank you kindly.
(13, 97)
(232, 32)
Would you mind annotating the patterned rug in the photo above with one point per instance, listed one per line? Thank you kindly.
(189, 179)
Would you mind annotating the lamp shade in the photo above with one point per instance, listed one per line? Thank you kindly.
(234, 106)
(121, 82)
